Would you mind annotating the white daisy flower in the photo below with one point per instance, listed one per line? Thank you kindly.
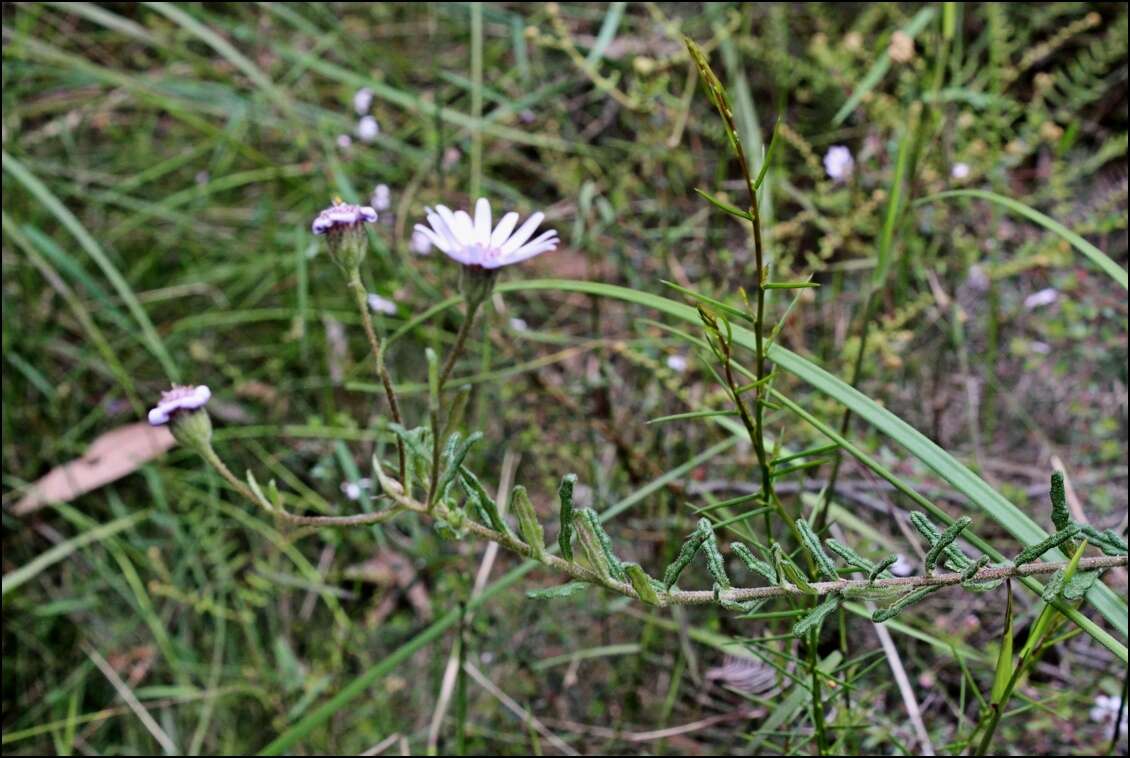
(420, 244)
(177, 400)
(368, 129)
(380, 305)
(381, 198)
(474, 243)
(838, 163)
(362, 101)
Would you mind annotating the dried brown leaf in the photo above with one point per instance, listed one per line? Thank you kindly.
(111, 456)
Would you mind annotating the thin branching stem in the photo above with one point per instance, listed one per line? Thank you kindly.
(358, 519)
(361, 297)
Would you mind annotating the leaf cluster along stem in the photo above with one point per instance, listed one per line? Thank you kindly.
(393, 491)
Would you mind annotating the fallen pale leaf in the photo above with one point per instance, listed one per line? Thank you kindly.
(113, 455)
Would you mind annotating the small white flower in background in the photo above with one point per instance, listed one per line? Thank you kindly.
(451, 157)
(901, 48)
(677, 363)
(978, 278)
(902, 567)
(381, 198)
(960, 171)
(341, 216)
(176, 400)
(380, 305)
(1106, 709)
(474, 243)
(354, 490)
(362, 101)
(344, 141)
(1041, 298)
(368, 129)
(420, 244)
(838, 163)
(519, 325)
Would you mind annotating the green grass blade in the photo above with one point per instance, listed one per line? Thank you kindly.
(29, 571)
(52, 203)
(1098, 257)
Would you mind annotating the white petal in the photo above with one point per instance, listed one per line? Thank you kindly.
(432, 238)
(482, 222)
(452, 228)
(157, 417)
(525, 252)
(502, 231)
(464, 228)
(523, 233)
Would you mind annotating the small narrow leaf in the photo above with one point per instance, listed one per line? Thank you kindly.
(565, 496)
(881, 568)
(724, 206)
(686, 553)
(486, 504)
(565, 590)
(592, 521)
(454, 454)
(1032, 552)
(947, 538)
(528, 525)
(849, 556)
(641, 583)
(903, 603)
(812, 544)
(956, 559)
(789, 570)
(714, 560)
(755, 565)
(1060, 515)
(815, 618)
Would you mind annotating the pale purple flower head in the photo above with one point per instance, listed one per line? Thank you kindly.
(474, 243)
(380, 304)
(960, 171)
(381, 197)
(838, 163)
(420, 243)
(362, 100)
(1041, 298)
(177, 400)
(344, 141)
(368, 129)
(341, 216)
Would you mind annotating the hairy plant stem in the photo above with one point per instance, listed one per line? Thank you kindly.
(394, 491)
(241, 487)
(706, 597)
(460, 341)
(436, 409)
(361, 297)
